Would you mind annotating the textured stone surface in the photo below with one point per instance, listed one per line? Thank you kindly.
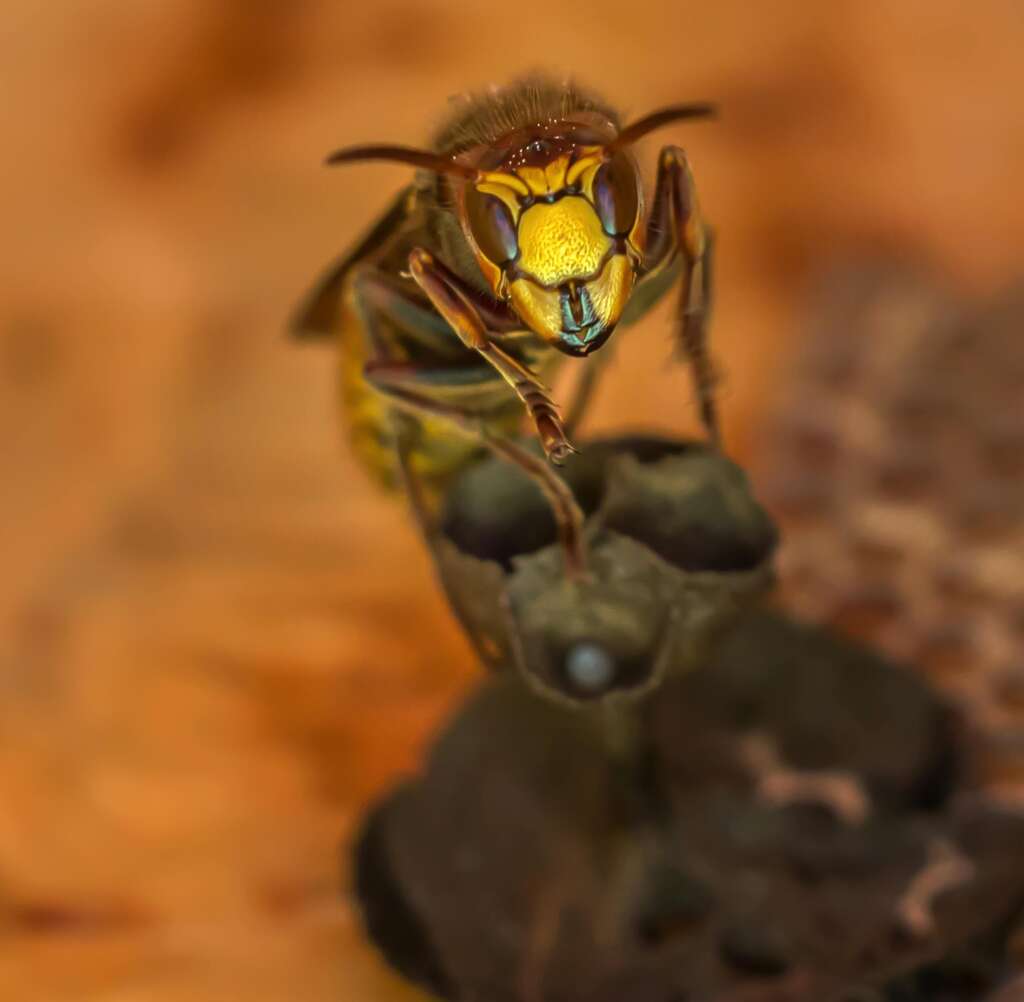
(905, 417)
(506, 870)
(676, 548)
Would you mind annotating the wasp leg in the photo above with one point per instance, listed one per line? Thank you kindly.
(451, 300)
(675, 227)
(420, 390)
(398, 384)
(380, 296)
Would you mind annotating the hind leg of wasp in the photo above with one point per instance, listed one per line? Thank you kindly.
(415, 392)
(675, 227)
(452, 300)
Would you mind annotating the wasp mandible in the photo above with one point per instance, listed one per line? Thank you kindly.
(522, 240)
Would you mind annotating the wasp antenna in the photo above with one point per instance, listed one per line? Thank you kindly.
(402, 155)
(676, 113)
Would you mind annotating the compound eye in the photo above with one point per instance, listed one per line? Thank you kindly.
(491, 225)
(616, 195)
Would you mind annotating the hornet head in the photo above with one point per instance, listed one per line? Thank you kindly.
(555, 229)
(553, 214)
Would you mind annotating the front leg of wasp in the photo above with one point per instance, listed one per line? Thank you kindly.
(445, 292)
(675, 227)
(566, 510)
(422, 392)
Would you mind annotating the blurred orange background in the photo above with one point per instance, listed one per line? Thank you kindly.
(219, 643)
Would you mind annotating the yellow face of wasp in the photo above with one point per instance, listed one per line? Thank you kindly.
(557, 242)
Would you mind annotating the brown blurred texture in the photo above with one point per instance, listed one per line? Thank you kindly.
(219, 643)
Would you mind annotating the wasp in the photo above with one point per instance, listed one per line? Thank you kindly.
(522, 240)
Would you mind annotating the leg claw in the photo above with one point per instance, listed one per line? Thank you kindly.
(560, 452)
(556, 446)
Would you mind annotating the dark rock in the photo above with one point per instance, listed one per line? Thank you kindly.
(509, 870)
(755, 948)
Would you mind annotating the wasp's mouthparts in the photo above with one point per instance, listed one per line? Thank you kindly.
(586, 339)
(582, 327)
